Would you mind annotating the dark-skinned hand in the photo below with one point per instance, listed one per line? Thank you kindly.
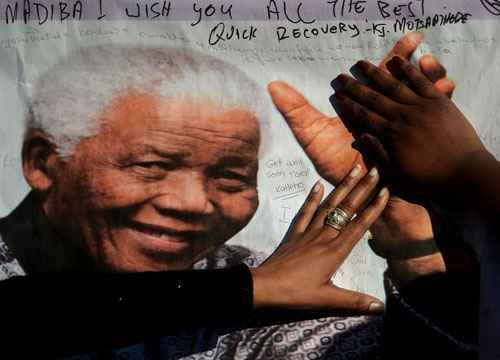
(412, 126)
(328, 143)
(297, 275)
(324, 138)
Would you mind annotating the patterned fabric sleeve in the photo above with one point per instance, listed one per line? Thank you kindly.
(336, 338)
(9, 266)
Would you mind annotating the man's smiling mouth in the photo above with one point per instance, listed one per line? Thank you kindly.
(166, 239)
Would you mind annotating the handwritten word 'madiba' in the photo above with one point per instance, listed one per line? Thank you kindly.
(35, 11)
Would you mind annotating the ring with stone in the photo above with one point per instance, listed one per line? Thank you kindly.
(337, 219)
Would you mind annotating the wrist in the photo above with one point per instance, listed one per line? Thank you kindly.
(260, 290)
(475, 185)
(403, 272)
(471, 173)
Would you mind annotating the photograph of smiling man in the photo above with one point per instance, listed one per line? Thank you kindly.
(141, 159)
(151, 168)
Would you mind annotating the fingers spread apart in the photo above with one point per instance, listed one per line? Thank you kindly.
(336, 197)
(345, 201)
(360, 225)
(306, 214)
(344, 301)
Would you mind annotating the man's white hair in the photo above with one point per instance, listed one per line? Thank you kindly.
(69, 98)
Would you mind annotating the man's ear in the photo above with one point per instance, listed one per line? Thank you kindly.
(40, 158)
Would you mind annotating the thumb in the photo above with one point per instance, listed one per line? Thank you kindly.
(295, 108)
(351, 302)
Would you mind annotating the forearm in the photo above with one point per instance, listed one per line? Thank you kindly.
(68, 314)
(434, 315)
(404, 272)
(479, 184)
(436, 305)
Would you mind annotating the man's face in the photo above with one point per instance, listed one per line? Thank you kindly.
(164, 183)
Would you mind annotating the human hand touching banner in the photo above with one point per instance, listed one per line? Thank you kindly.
(325, 139)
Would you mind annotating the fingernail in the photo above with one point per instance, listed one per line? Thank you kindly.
(317, 187)
(383, 192)
(356, 171)
(376, 307)
(419, 35)
(339, 82)
(343, 79)
(373, 172)
(416, 37)
(363, 65)
(340, 96)
(396, 60)
(336, 84)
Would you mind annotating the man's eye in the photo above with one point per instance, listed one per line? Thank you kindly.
(232, 175)
(155, 165)
(231, 181)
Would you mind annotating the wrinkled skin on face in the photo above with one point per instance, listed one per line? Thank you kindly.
(165, 182)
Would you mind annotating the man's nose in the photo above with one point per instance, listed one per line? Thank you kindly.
(186, 194)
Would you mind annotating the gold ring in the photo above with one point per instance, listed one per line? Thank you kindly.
(337, 219)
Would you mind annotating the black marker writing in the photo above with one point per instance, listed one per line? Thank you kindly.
(284, 33)
(150, 11)
(210, 11)
(42, 13)
(404, 24)
(347, 7)
(102, 15)
(272, 10)
(492, 6)
(409, 9)
(377, 29)
(221, 33)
